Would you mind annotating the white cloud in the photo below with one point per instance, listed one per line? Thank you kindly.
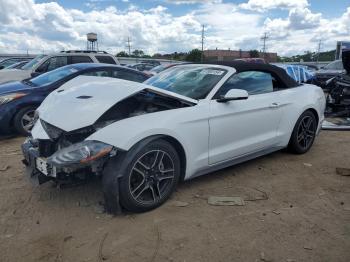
(302, 30)
(188, 2)
(51, 27)
(263, 5)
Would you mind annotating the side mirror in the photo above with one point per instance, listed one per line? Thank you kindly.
(1, 67)
(234, 94)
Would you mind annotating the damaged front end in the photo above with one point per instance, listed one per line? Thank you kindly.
(66, 156)
(69, 155)
(338, 99)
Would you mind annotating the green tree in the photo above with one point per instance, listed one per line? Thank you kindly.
(138, 53)
(254, 53)
(122, 54)
(194, 55)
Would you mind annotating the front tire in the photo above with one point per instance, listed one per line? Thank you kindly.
(149, 178)
(23, 121)
(304, 133)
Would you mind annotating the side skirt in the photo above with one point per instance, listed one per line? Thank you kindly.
(234, 161)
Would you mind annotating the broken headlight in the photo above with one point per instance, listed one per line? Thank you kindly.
(80, 153)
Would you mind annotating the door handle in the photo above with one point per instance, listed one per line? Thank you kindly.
(274, 105)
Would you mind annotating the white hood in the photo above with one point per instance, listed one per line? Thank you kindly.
(9, 75)
(81, 101)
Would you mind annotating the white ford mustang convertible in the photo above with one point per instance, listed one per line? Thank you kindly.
(189, 120)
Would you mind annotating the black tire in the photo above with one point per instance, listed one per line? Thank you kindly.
(304, 133)
(20, 120)
(146, 180)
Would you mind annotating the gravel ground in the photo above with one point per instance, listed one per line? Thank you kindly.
(296, 209)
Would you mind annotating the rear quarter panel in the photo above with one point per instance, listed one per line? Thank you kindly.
(295, 101)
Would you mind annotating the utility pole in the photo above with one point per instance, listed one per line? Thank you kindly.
(129, 45)
(319, 50)
(264, 38)
(202, 55)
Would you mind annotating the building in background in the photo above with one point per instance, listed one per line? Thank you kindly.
(230, 55)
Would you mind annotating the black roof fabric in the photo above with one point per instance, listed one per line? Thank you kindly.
(275, 71)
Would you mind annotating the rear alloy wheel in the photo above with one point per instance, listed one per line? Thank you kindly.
(24, 120)
(304, 133)
(148, 175)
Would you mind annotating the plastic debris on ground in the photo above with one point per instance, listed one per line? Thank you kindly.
(342, 171)
(225, 201)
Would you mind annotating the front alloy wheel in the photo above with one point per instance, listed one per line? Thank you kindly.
(146, 177)
(24, 120)
(151, 177)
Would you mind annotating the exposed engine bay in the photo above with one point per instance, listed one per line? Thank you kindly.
(144, 102)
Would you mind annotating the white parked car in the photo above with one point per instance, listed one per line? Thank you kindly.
(187, 121)
(45, 63)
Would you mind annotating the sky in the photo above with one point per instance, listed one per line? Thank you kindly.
(167, 26)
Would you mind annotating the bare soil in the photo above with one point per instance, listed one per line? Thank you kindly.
(304, 215)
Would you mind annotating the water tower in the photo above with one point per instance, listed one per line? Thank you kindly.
(91, 43)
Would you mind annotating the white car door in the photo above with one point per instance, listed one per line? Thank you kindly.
(246, 126)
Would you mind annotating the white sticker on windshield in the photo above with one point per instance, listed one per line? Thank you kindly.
(212, 72)
(73, 70)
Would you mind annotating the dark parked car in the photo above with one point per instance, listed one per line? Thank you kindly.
(142, 66)
(160, 68)
(12, 60)
(19, 100)
(17, 65)
(331, 70)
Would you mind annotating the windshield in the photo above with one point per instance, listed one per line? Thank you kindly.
(336, 65)
(194, 81)
(53, 76)
(33, 62)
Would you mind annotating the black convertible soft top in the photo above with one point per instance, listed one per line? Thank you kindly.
(275, 71)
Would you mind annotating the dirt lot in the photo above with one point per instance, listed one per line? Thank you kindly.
(305, 218)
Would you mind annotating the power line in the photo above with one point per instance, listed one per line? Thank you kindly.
(129, 45)
(202, 55)
(319, 50)
(264, 38)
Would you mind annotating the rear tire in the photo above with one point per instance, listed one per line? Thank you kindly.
(23, 121)
(148, 177)
(304, 133)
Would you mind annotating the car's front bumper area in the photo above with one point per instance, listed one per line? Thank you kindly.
(31, 153)
(40, 171)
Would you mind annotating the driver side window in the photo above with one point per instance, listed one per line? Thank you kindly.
(254, 82)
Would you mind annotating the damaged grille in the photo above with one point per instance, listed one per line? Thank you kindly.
(52, 131)
(60, 139)
(46, 148)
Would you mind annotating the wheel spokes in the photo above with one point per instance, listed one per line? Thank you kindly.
(27, 118)
(306, 132)
(158, 160)
(143, 187)
(151, 176)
